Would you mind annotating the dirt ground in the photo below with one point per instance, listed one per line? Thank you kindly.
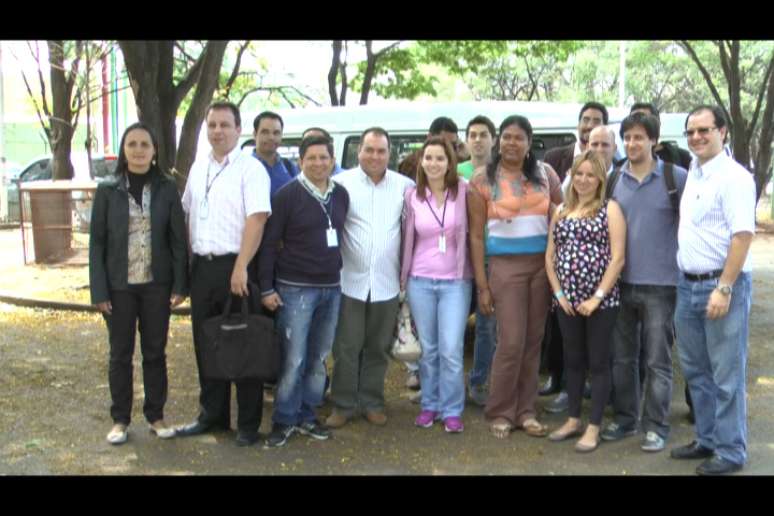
(54, 406)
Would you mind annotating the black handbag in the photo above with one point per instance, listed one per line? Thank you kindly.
(240, 346)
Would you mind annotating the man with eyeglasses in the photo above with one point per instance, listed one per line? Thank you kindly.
(714, 293)
(591, 115)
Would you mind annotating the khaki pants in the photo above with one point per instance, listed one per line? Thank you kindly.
(361, 354)
(521, 295)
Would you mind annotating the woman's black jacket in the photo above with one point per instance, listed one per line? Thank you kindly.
(109, 237)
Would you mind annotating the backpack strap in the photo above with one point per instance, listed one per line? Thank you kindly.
(669, 179)
(611, 182)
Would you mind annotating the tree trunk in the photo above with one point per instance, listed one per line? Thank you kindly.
(333, 72)
(61, 127)
(149, 67)
(207, 83)
(368, 77)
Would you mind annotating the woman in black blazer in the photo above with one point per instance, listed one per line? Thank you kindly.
(138, 271)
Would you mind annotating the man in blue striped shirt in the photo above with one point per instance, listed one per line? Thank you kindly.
(714, 294)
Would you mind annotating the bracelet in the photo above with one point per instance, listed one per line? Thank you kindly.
(480, 290)
(559, 294)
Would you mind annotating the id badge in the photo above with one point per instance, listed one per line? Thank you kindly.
(442, 244)
(204, 209)
(333, 238)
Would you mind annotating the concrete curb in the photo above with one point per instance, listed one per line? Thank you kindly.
(61, 305)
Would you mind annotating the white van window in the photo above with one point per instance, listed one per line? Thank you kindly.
(401, 145)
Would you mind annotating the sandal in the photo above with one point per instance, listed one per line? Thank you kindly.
(501, 428)
(534, 428)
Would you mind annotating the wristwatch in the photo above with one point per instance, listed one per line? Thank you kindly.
(724, 289)
(600, 294)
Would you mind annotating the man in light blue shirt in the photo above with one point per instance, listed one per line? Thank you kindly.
(714, 294)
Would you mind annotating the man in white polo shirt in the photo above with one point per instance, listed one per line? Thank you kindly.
(227, 203)
(370, 282)
(714, 294)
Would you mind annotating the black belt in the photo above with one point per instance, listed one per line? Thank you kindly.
(213, 257)
(705, 276)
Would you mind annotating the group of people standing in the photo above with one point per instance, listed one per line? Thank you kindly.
(331, 253)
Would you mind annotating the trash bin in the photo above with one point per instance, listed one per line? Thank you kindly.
(51, 216)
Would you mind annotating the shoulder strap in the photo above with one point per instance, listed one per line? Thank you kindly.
(289, 166)
(669, 178)
(611, 181)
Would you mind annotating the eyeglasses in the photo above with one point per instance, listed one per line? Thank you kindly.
(701, 131)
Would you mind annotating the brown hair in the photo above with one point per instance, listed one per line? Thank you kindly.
(599, 170)
(450, 179)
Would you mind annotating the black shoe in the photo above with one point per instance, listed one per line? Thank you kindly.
(247, 438)
(315, 430)
(616, 432)
(691, 451)
(195, 428)
(558, 404)
(279, 435)
(718, 466)
(551, 386)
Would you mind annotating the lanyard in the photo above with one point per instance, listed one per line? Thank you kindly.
(443, 217)
(321, 203)
(207, 183)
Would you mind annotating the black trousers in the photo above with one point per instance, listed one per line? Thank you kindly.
(149, 304)
(587, 343)
(210, 286)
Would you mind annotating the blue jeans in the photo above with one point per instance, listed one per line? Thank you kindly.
(483, 348)
(440, 312)
(651, 308)
(307, 325)
(713, 355)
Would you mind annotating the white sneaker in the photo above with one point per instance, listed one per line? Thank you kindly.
(162, 431)
(118, 434)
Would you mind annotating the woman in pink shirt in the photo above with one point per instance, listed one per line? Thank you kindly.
(437, 270)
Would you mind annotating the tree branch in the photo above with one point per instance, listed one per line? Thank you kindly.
(191, 77)
(687, 46)
(761, 94)
(235, 71)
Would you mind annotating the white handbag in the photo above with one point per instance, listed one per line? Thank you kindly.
(406, 346)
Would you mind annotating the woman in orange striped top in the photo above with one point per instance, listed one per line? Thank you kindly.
(519, 191)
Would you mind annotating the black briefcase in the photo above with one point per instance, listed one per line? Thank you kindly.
(240, 346)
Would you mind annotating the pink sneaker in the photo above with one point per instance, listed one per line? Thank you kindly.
(453, 425)
(426, 418)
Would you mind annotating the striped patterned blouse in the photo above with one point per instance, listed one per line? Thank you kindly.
(517, 212)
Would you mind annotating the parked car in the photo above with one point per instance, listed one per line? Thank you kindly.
(39, 169)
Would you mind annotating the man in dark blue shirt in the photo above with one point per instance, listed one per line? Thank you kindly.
(268, 127)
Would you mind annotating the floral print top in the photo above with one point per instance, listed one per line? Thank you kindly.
(582, 257)
(140, 239)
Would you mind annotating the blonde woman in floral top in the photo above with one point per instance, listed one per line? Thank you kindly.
(584, 257)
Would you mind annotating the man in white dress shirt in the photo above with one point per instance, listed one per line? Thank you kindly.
(370, 282)
(714, 294)
(227, 203)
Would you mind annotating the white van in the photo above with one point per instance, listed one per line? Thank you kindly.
(407, 123)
